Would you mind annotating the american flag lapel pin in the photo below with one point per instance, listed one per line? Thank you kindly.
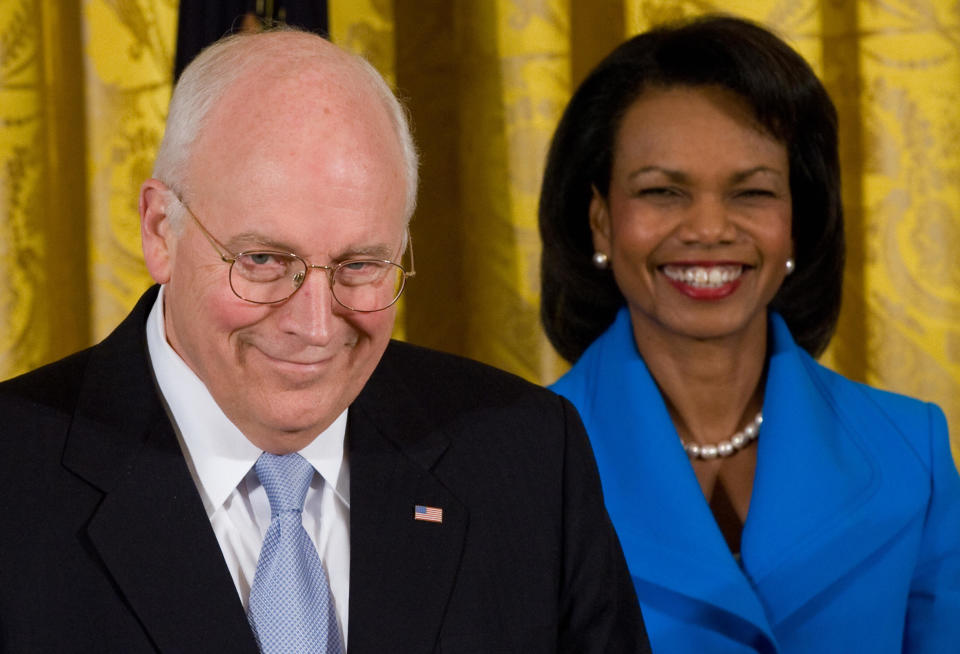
(428, 513)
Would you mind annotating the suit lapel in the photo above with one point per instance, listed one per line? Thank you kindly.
(670, 539)
(150, 530)
(402, 570)
(824, 498)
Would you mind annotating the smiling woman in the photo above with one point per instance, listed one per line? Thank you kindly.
(696, 219)
(692, 266)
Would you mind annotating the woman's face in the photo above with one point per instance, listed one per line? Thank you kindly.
(696, 222)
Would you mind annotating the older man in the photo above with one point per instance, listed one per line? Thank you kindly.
(248, 461)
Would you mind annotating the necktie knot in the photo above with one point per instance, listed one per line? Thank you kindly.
(286, 479)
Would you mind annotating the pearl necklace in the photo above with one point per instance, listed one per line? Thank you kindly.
(726, 448)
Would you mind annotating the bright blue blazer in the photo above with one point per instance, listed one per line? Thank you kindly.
(852, 540)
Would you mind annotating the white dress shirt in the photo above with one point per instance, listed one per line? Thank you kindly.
(221, 462)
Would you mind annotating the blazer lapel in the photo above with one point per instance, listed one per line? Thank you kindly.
(670, 539)
(824, 498)
(402, 570)
(150, 530)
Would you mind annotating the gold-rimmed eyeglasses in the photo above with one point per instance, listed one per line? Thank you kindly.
(270, 277)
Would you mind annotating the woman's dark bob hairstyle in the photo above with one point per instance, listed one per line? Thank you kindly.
(579, 301)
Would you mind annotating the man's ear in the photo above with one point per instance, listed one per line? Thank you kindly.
(157, 235)
(600, 223)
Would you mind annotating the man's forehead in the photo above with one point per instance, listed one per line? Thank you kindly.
(334, 156)
(319, 92)
(320, 118)
(295, 213)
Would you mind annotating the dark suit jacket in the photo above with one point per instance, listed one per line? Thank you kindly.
(106, 546)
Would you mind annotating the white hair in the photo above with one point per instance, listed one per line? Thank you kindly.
(211, 74)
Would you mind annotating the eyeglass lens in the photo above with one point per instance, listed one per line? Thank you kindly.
(361, 285)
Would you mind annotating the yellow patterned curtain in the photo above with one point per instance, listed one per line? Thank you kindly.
(85, 84)
(82, 102)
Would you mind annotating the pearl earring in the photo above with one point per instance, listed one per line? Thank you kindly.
(790, 265)
(600, 260)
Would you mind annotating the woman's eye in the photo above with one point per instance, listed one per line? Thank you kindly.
(657, 191)
(756, 193)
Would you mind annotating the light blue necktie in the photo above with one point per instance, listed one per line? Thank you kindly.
(291, 607)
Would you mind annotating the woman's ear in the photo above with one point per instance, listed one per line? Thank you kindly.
(600, 222)
(157, 235)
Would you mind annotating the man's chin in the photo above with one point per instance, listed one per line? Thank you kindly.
(299, 419)
(281, 435)
(279, 415)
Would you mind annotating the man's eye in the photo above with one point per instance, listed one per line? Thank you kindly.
(355, 273)
(263, 266)
(260, 258)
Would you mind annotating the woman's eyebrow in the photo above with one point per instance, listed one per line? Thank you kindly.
(750, 172)
(673, 175)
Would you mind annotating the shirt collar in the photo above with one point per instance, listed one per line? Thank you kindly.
(218, 453)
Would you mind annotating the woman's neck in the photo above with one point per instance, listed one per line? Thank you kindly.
(712, 388)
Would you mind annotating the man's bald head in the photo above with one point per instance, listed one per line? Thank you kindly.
(273, 55)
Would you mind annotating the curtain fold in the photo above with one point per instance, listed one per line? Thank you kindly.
(127, 65)
(85, 86)
(43, 238)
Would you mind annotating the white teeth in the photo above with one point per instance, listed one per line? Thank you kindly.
(703, 276)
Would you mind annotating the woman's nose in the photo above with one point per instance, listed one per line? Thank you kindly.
(708, 221)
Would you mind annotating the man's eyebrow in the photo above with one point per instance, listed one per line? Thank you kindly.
(376, 251)
(258, 241)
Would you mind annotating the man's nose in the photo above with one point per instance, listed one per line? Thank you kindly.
(709, 221)
(311, 311)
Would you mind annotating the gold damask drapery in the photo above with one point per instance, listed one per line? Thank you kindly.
(83, 95)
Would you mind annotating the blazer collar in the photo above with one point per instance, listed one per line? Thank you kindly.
(673, 543)
(820, 481)
(835, 480)
(402, 570)
(150, 530)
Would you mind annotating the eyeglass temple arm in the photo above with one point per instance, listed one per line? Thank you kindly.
(217, 245)
(413, 267)
(226, 258)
